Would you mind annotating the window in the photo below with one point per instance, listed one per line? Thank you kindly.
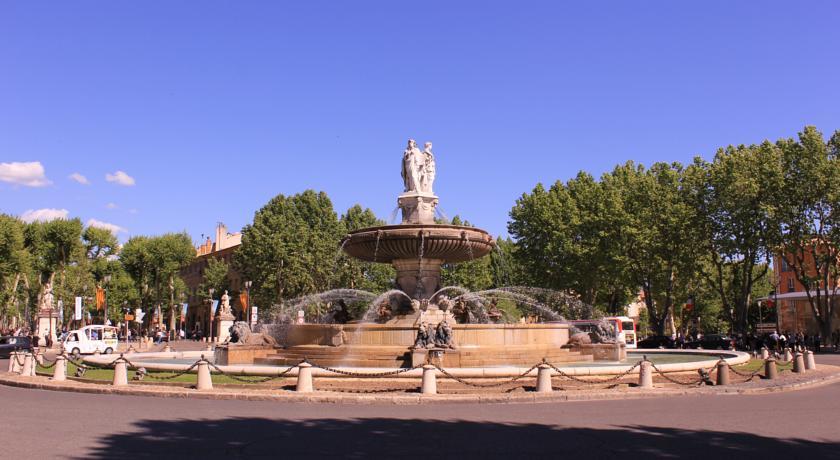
(790, 285)
(785, 267)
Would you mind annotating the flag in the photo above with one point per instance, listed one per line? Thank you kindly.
(184, 312)
(213, 307)
(100, 298)
(243, 300)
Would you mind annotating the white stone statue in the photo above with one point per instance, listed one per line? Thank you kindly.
(46, 302)
(225, 310)
(413, 165)
(427, 177)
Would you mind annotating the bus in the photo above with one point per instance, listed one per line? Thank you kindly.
(623, 327)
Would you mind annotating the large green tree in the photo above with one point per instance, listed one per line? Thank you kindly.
(806, 218)
(15, 263)
(732, 197)
(356, 274)
(290, 248)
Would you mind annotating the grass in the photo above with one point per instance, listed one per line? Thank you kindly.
(107, 375)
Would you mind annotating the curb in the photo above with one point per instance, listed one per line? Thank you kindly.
(42, 383)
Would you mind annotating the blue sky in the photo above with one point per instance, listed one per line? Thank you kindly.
(212, 108)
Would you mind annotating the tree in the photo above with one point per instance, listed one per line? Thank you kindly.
(806, 218)
(652, 229)
(291, 247)
(357, 274)
(732, 197)
(53, 245)
(475, 275)
(15, 263)
(154, 263)
(215, 277)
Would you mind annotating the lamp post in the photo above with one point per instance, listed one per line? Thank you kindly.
(210, 310)
(82, 320)
(107, 280)
(248, 300)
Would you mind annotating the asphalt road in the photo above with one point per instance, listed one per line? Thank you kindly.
(45, 424)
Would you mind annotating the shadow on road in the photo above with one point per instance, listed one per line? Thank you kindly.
(430, 439)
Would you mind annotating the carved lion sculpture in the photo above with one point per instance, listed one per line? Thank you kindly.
(241, 334)
(580, 338)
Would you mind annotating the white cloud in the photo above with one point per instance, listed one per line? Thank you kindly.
(113, 228)
(30, 174)
(120, 177)
(133, 211)
(111, 206)
(79, 178)
(44, 215)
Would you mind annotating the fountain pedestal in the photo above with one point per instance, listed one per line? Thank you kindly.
(419, 278)
(417, 207)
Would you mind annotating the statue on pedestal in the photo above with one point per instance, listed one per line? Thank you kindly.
(46, 300)
(427, 176)
(418, 168)
(225, 307)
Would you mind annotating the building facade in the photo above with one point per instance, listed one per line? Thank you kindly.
(793, 310)
(223, 248)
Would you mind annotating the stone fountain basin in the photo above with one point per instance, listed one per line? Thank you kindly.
(451, 243)
(389, 346)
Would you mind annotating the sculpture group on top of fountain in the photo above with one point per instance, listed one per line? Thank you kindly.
(418, 168)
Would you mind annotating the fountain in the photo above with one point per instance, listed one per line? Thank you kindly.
(404, 327)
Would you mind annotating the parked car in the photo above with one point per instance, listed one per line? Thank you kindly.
(713, 342)
(10, 344)
(657, 341)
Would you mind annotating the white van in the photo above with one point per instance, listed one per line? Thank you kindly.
(90, 339)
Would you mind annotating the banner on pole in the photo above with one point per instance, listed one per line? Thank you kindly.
(77, 313)
(138, 315)
(100, 298)
(243, 300)
(184, 312)
(213, 307)
(254, 315)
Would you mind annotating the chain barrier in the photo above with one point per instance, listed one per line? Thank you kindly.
(248, 380)
(18, 361)
(748, 375)
(699, 381)
(484, 385)
(173, 376)
(363, 374)
(48, 366)
(594, 382)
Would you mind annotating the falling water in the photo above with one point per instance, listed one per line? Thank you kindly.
(393, 219)
(373, 308)
(376, 247)
(441, 215)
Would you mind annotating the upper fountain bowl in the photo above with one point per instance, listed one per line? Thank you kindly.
(451, 243)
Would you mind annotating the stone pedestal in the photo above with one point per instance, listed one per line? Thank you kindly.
(223, 324)
(417, 207)
(47, 323)
(419, 278)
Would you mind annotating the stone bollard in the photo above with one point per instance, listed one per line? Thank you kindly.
(722, 373)
(770, 370)
(304, 381)
(205, 382)
(120, 373)
(544, 379)
(810, 364)
(788, 355)
(28, 368)
(645, 375)
(798, 363)
(60, 369)
(429, 386)
(14, 366)
(765, 353)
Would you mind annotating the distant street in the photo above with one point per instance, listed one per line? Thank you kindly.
(44, 424)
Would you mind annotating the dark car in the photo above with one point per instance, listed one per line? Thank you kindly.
(713, 342)
(10, 344)
(657, 341)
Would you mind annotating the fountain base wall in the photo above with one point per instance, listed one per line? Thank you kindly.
(390, 346)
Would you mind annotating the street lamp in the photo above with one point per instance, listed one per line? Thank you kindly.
(248, 300)
(210, 309)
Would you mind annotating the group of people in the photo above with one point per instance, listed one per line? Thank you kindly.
(779, 341)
